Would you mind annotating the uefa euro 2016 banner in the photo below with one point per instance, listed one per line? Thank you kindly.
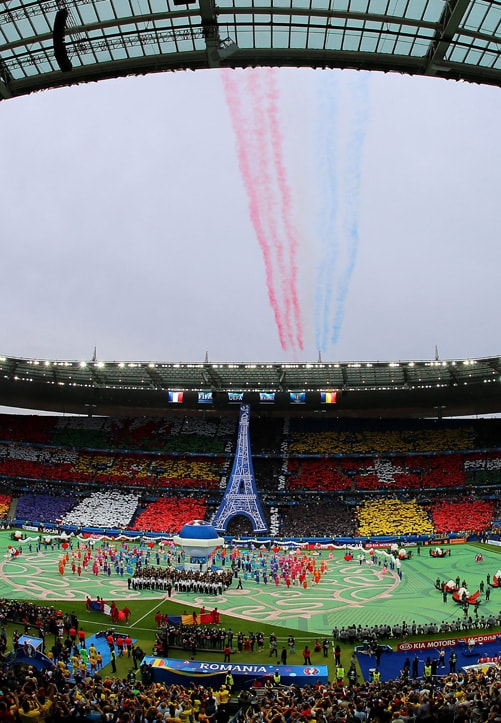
(173, 671)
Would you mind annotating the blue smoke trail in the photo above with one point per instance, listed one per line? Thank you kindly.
(359, 90)
(326, 152)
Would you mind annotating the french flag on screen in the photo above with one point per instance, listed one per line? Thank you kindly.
(176, 397)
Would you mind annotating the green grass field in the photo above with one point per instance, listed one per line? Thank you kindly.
(347, 593)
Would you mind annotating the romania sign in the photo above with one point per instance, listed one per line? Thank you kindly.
(174, 671)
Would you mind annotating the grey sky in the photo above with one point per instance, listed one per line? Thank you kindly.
(126, 227)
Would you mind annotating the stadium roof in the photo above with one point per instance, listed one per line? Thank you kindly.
(50, 43)
(363, 389)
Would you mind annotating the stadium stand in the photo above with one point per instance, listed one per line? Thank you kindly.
(315, 477)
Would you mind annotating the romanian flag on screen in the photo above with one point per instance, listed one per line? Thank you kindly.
(328, 397)
(176, 397)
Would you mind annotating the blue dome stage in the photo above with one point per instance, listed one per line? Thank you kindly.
(198, 539)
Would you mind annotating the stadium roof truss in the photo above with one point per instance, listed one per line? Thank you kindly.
(362, 389)
(50, 43)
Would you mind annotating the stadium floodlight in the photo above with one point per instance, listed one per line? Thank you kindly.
(227, 48)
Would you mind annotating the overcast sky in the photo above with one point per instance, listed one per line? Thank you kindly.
(163, 217)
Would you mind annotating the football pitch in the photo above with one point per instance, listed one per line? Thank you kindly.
(346, 593)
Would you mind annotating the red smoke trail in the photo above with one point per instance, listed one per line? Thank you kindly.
(246, 156)
(253, 100)
(258, 94)
(261, 106)
(286, 207)
(260, 140)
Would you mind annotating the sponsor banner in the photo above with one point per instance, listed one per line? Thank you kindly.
(426, 645)
(457, 540)
(205, 397)
(386, 545)
(494, 542)
(487, 638)
(408, 646)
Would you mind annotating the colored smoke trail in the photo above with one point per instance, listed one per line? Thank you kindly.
(258, 95)
(244, 136)
(352, 175)
(253, 99)
(326, 161)
(286, 210)
(340, 147)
